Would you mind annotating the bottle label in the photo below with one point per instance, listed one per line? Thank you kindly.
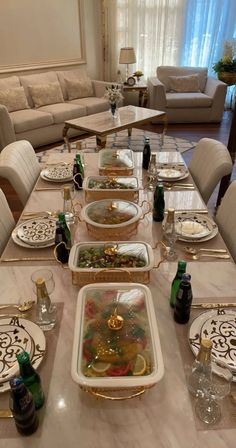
(24, 401)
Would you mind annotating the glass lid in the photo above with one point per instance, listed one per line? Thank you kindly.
(115, 158)
(112, 183)
(112, 255)
(111, 212)
(116, 338)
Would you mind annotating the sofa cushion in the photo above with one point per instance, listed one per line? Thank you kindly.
(80, 88)
(188, 83)
(14, 99)
(39, 78)
(188, 100)
(163, 73)
(44, 94)
(28, 119)
(64, 111)
(9, 83)
(92, 104)
(73, 75)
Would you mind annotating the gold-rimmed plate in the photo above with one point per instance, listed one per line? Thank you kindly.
(61, 173)
(172, 173)
(194, 227)
(38, 231)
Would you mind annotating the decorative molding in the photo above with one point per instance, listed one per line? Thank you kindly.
(39, 65)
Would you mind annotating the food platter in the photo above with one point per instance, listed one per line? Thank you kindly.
(61, 173)
(194, 227)
(108, 187)
(172, 172)
(35, 233)
(219, 326)
(38, 342)
(115, 162)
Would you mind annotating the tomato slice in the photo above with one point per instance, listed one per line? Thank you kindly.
(119, 370)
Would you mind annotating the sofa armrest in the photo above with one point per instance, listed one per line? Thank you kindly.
(214, 86)
(157, 94)
(7, 133)
(217, 91)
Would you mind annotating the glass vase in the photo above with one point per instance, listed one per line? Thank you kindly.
(113, 110)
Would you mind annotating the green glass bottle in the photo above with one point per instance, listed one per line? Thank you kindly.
(158, 203)
(79, 163)
(31, 379)
(66, 229)
(176, 281)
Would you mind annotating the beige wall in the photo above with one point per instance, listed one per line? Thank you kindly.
(50, 35)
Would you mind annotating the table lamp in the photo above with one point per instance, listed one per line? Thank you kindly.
(127, 56)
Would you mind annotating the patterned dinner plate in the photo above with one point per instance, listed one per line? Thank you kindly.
(193, 226)
(38, 341)
(172, 172)
(37, 231)
(13, 340)
(58, 173)
(219, 326)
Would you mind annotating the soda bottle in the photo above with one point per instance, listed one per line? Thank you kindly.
(201, 369)
(31, 379)
(22, 407)
(176, 281)
(77, 175)
(66, 230)
(158, 203)
(183, 300)
(80, 165)
(146, 153)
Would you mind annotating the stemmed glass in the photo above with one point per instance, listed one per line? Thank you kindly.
(68, 194)
(170, 235)
(152, 173)
(214, 388)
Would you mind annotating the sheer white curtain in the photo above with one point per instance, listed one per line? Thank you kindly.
(166, 32)
(153, 27)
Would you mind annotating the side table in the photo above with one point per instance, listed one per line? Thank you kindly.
(142, 90)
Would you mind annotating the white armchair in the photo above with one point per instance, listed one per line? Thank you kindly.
(187, 94)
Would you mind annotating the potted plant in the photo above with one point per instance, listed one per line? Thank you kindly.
(137, 74)
(226, 66)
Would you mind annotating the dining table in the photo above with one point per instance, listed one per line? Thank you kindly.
(165, 415)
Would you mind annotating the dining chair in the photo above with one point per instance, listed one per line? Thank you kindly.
(226, 218)
(20, 166)
(7, 222)
(210, 162)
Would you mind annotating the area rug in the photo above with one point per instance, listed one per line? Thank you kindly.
(135, 142)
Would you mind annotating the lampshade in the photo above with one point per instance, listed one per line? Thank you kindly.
(127, 55)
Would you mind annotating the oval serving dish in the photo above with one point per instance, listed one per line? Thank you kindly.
(105, 261)
(116, 162)
(116, 347)
(106, 187)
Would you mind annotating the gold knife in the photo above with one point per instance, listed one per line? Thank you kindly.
(212, 305)
(24, 316)
(28, 259)
(5, 413)
(47, 188)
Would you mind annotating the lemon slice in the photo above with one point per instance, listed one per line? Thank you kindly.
(100, 367)
(140, 365)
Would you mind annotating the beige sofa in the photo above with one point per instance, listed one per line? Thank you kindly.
(187, 94)
(35, 107)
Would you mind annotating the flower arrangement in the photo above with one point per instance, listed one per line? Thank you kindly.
(227, 63)
(138, 73)
(113, 94)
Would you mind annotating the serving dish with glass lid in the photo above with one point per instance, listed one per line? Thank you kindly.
(116, 162)
(112, 219)
(116, 347)
(106, 187)
(103, 261)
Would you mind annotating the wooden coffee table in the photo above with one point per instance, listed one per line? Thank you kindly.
(103, 124)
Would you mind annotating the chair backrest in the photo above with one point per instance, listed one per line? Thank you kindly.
(7, 222)
(19, 164)
(210, 162)
(226, 218)
(164, 71)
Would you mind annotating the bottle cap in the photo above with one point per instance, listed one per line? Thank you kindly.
(61, 217)
(16, 381)
(206, 343)
(186, 277)
(66, 193)
(182, 264)
(23, 357)
(147, 139)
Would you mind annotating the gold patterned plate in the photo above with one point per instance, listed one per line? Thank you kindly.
(223, 342)
(194, 227)
(172, 172)
(37, 337)
(37, 231)
(13, 340)
(58, 173)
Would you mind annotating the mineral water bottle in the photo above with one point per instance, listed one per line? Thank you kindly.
(201, 369)
(22, 407)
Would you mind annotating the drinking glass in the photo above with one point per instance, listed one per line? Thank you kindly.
(170, 236)
(45, 310)
(68, 207)
(152, 174)
(214, 389)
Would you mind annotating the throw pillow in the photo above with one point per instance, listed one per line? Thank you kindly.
(14, 99)
(188, 83)
(79, 88)
(44, 94)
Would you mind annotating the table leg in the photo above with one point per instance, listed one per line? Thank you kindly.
(145, 98)
(101, 142)
(165, 124)
(140, 98)
(66, 138)
(129, 132)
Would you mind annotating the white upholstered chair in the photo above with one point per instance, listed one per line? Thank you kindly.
(226, 218)
(210, 162)
(19, 164)
(7, 222)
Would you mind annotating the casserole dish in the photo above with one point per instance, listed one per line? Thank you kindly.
(116, 347)
(116, 162)
(105, 187)
(104, 261)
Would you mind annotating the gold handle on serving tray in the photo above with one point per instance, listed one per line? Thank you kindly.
(163, 258)
(138, 393)
(149, 208)
(66, 251)
(126, 271)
